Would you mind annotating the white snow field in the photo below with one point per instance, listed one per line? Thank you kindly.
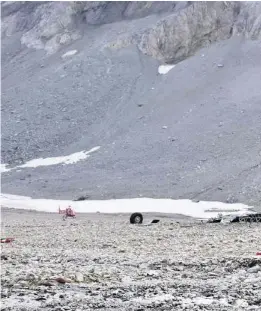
(200, 210)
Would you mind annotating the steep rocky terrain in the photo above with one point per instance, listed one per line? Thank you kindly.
(192, 133)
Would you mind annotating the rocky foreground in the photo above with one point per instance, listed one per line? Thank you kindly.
(102, 262)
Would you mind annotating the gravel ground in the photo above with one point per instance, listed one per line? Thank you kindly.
(108, 264)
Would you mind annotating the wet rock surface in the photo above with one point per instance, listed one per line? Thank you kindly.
(101, 262)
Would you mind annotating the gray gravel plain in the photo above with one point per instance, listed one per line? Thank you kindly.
(108, 264)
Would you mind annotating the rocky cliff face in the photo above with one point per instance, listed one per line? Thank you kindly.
(181, 28)
(192, 133)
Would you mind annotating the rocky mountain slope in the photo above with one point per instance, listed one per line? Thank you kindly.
(192, 133)
(107, 264)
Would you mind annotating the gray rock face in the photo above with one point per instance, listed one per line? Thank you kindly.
(192, 133)
(184, 28)
(45, 25)
(178, 36)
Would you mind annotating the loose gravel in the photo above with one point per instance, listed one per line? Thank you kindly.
(101, 262)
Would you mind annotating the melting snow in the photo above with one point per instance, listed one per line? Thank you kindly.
(4, 168)
(164, 69)
(69, 53)
(70, 159)
(202, 210)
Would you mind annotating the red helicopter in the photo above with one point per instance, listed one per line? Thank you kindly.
(68, 212)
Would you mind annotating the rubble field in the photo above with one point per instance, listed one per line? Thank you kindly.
(102, 262)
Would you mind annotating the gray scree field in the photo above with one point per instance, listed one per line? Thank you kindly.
(110, 265)
(193, 133)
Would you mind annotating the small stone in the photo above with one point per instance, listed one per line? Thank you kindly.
(4, 293)
(164, 127)
(224, 302)
(254, 269)
(63, 280)
(79, 277)
(241, 303)
(40, 298)
(253, 262)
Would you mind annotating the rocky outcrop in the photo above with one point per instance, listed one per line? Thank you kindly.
(104, 12)
(51, 25)
(248, 20)
(180, 35)
(184, 28)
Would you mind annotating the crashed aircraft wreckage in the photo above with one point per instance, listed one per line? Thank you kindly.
(137, 218)
(251, 217)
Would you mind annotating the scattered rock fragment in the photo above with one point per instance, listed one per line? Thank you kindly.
(79, 277)
(204, 279)
(241, 303)
(62, 280)
(254, 269)
(82, 198)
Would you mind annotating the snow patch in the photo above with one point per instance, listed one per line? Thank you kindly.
(69, 53)
(70, 159)
(200, 210)
(164, 69)
(4, 168)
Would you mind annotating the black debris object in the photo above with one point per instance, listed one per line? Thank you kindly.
(83, 198)
(136, 218)
(255, 217)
